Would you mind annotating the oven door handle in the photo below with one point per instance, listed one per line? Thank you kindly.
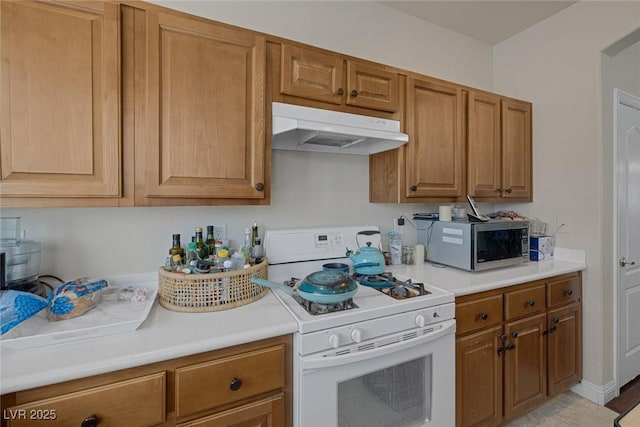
(329, 361)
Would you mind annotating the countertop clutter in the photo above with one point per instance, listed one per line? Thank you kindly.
(162, 336)
(166, 334)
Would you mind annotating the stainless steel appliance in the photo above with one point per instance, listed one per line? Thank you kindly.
(474, 246)
(20, 260)
(385, 357)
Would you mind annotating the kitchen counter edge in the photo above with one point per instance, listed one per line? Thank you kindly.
(164, 335)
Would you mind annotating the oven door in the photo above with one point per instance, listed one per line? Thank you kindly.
(405, 379)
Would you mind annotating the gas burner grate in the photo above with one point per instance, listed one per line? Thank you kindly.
(376, 281)
(405, 289)
(315, 308)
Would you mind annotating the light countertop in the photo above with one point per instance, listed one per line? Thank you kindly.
(162, 336)
(167, 334)
(461, 282)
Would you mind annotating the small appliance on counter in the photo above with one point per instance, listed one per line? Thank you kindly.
(474, 246)
(20, 259)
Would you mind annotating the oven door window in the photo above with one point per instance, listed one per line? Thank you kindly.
(493, 245)
(396, 396)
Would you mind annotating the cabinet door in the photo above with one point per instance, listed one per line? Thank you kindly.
(372, 87)
(516, 150)
(484, 155)
(565, 352)
(434, 153)
(479, 379)
(59, 109)
(203, 136)
(264, 413)
(525, 372)
(311, 74)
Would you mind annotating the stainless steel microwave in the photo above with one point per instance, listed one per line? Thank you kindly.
(474, 246)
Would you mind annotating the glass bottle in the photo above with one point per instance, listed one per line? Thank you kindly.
(192, 255)
(245, 250)
(256, 251)
(254, 234)
(211, 241)
(395, 247)
(200, 245)
(176, 248)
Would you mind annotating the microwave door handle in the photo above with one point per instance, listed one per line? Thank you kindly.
(325, 362)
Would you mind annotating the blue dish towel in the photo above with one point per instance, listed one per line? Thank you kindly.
(18, 306)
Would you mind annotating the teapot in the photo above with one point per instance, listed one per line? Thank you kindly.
(367, 259)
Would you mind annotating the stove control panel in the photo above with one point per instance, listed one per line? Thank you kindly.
(362, 332)
(329, 240)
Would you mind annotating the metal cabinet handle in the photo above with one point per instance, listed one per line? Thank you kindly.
(354, 93)
(90, 421)
(555, 320)
(531, 303)
(511, 346)
(413, 188)
(509, 190)
(568, 292)
(499, 190)
(259, 186)
(545, 332)
(623, 262)
(235, 384)
(514, 334)
(484, 316)
(340, 91)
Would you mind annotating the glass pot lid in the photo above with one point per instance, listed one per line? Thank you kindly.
(328, 282)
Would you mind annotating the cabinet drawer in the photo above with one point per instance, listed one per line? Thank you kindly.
(564, 290)
(211, 384)
(478, 314)
(524, 302)
(135, 402)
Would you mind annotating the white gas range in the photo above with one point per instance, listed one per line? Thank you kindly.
(384, 362)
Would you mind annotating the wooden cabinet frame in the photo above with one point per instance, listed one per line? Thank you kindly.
(511, 365)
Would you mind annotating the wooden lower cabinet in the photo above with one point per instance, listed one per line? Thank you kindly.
(479, 378)
(244, 385)
(508, 368)
(525, 365)
(264, 413)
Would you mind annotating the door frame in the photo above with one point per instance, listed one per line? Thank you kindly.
(618, 96)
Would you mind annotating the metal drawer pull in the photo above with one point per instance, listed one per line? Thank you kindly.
(514, 334)
(340, 91)
(90, 421)
(354, 93)
(568, 292)
(235, 384)
(531, 303)
(484, 316)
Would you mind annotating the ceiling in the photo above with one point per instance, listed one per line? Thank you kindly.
(487, 21)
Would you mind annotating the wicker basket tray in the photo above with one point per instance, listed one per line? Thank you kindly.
(210, 292)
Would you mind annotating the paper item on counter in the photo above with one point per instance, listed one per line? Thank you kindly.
(112, 316)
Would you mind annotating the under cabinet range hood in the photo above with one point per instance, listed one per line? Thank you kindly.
(313, 129)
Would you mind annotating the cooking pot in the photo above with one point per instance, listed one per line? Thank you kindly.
(367, 259)
(322, 287)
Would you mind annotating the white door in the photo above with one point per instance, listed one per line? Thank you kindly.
(627, 142)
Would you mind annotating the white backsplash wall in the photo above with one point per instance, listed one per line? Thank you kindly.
(308, 189)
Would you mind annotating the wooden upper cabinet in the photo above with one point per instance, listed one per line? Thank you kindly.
(516, 150)
(310, 74)
(201, 131)
(372, 87)
(60, 100)
(320, 76)
(484, 152)
(499, 148)
(435, 152)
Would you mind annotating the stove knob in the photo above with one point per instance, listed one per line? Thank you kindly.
(420, 321)
(334, 341)
(356, 335)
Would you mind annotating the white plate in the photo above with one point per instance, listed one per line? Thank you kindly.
(111, 316)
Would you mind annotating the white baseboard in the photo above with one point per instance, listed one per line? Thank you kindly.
(599, 394)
